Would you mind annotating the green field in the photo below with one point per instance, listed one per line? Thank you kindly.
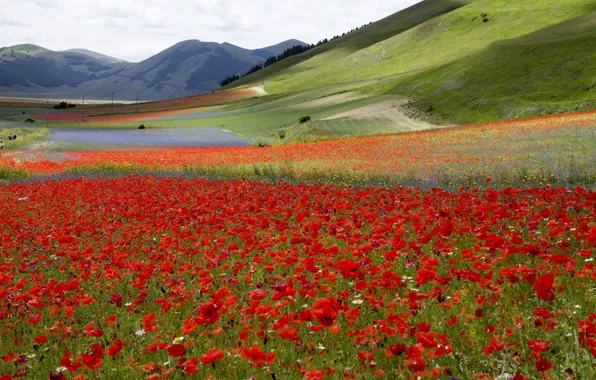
(25, 137)
(264, 120)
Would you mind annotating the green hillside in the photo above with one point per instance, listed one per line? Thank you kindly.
(550, 71)
(438, 40)
(339, 49)
(96, 55)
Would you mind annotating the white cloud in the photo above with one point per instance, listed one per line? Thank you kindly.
(134, 29)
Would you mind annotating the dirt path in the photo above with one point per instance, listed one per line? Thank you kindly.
(259, 91)
(386, 111)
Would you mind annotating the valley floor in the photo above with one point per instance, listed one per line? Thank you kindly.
(407, 251)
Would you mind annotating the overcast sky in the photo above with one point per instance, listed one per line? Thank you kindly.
(137, 29)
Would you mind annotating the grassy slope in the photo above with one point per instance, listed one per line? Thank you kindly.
(441, 40)
(341, 48)
(550, 71)
(516, 64)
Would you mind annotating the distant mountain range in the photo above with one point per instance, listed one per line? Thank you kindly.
(187, 68)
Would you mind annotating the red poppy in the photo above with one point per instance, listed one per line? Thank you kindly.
(396, 350)
(539, 346)
(543, 365)
(288, 333)
(115, 348)
(92, 330)
(214, 354)
(176, 350)
(257, 356)
(325, 310)
(94, 359)
(208, 313)
(191, 366)
(544, 287)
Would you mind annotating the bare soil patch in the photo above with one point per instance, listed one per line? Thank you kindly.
(388, 111)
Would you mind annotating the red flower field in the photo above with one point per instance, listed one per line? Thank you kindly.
(538, 142)
(167, 277)
(119, 117)
(134, 112)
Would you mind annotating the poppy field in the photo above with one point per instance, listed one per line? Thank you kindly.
(103, 113)
(169, 277)
(111, 119)
(536, 152)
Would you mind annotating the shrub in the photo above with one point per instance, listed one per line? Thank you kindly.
(304, 119)
(29, 120)
(64, 105)
(262, 143)
(281, 134)
(142, 126)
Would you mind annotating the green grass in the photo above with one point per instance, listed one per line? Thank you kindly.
(18, 113)
(548, 72)
(558, 174)
(9, 174)
(25, 136)
(350, 127)
(271, 102)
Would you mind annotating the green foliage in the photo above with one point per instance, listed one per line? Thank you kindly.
(11, 174)
(64, 105)
(262, 143)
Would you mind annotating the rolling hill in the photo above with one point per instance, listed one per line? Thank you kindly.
(189, 67)
(341, 48)
(461, 61)
(26, 66)
(93, 54)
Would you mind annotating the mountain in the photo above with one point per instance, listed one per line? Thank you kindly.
(187, 68)
(99, 56)
(26, 66)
